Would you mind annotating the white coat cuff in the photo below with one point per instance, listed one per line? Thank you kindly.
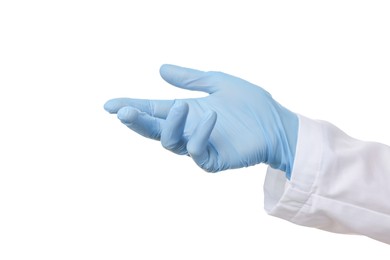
(284, 198)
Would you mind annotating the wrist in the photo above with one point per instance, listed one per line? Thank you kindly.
(287, 131)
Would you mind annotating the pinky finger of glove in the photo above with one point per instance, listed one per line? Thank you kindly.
(199, 147)
(141, 122)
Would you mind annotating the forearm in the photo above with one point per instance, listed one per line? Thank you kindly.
(338, 183)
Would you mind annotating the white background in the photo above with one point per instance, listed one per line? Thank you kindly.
(76, 184)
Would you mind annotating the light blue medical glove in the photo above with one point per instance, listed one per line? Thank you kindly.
(237, 125)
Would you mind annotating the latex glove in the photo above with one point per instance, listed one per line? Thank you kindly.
(237, 125)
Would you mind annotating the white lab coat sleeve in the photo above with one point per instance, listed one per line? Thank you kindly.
(338, 183)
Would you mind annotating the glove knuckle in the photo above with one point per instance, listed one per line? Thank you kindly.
(169, 144)
(193, 149)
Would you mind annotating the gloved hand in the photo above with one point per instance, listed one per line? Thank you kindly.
(237, 125)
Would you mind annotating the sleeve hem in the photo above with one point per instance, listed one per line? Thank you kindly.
(284, 198)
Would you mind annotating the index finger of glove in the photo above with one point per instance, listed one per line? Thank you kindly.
(155, 108)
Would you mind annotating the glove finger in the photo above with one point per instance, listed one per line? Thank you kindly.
(199, 147)
(155, 108)
(172, 133)
(188, 78)
(141, 122)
